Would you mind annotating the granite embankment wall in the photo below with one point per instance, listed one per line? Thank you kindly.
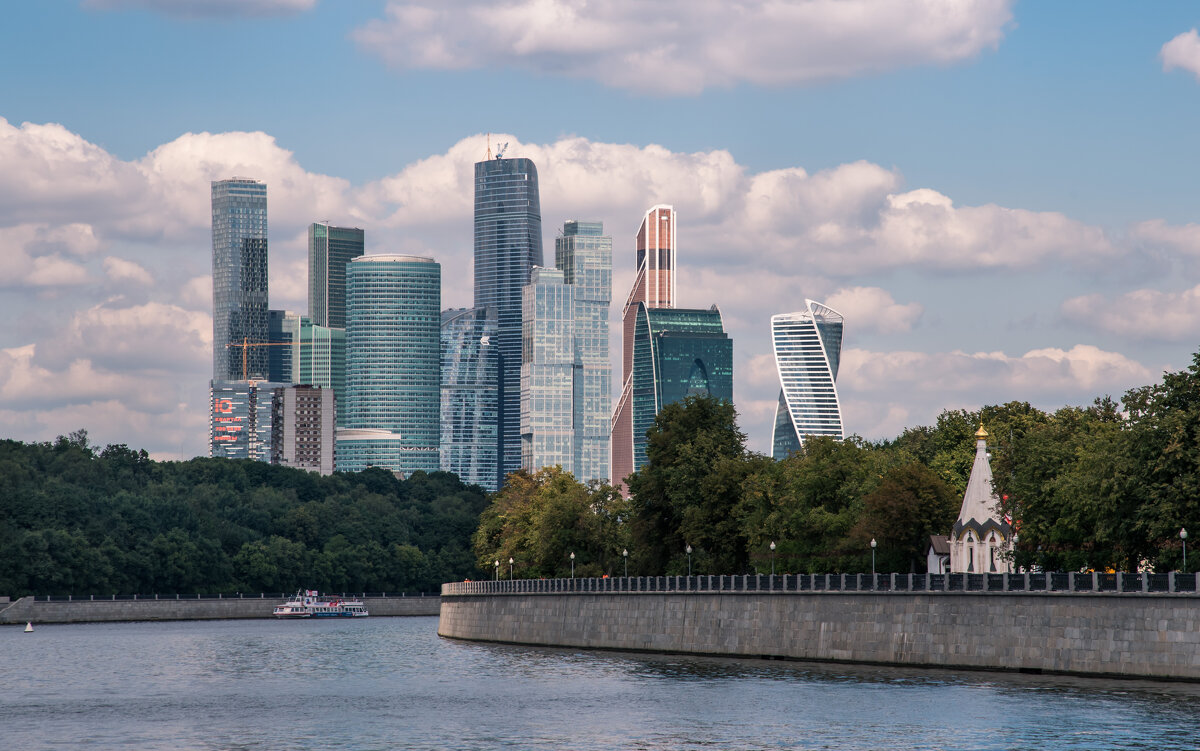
(145, 608)
(1147, 635)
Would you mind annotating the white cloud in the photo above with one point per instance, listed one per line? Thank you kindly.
(121, 270)
(686, 46)
(1040, 374)
(873, 309)
(196, 293)
(1156, 236)
(34, 255)
(1182, 52)
(207, 8)
(153, 337)
(1141, 314)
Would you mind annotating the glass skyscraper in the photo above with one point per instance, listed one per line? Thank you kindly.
(282, 330)
(329, 250)
(654, 288)
(240, 427)
(393, 378)
(239, 274)
(547, 372)
(584, 254)
(470, 402)
(677, 352)
(808, 350)
(508, 244)
(320, 356)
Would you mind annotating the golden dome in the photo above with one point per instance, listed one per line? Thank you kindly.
(981, 434)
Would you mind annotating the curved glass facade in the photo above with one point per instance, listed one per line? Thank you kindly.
(677, 352)
(808, 350)
(508, 244)
(393, 374)
(469, 396)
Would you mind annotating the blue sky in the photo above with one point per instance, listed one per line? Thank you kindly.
(998, 194)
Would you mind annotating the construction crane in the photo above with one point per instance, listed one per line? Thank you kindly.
(245, 346)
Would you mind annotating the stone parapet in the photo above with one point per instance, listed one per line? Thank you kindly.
(1142, 635)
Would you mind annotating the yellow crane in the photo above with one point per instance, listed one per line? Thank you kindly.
(245, 346)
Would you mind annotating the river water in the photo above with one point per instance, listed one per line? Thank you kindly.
(391, 683)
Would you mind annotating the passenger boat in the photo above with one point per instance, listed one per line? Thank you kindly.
(311, 604)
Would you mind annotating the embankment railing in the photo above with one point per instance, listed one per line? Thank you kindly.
(1054, 583)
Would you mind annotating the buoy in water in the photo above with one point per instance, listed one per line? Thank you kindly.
(28, 626)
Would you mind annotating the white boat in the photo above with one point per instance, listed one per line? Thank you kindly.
(311, 604)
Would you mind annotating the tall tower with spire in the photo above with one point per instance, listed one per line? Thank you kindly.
(981, 538)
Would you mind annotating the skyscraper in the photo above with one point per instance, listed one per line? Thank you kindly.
(547, 365)
(470, 401)
(677, 352)
(653, 287)
(283, 327)
(393, 379)
(508, 244)
(329, 250)
(808, 349)
(239, 273)
(584, 254)
(320, 357)
(240, 424)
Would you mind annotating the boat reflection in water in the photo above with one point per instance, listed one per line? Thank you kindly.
(311, 604)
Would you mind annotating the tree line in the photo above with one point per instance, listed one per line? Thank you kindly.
(1103, 487)
(76, 519)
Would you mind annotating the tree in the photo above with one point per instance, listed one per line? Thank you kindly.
(910, 504)
(688, 489)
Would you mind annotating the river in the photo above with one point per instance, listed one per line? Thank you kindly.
(391, 683)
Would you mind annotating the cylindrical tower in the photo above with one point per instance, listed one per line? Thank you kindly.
(393, 379)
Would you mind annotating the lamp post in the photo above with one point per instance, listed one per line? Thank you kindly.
(772, 558)
(625, 554)
(510, 563)
(496, 576)
(1183, 539)
(689, 552)
(873, 544)
(572, 565)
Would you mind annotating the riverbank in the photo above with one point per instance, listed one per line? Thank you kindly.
(167, 608)
(1129, 634)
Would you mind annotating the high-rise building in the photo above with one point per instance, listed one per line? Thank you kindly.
(330, 248)
(393, 377)
(320, 357)
(565, 370)
(239, 273)
(508, 244)
(470, 401)
(240, 424)
(808, 349)
(302, 428)
(653, 288)
(547, 372)
(283, 328)
(677, 352)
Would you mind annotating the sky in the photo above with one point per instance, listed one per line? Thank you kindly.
(999, 197)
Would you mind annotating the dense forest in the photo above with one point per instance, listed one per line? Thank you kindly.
(78, 520)
(1108, 486)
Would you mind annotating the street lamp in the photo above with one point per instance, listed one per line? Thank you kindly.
(510, 563)
(497, 572)
(772, 558)
(1183, 538)
(572, 565)
(873, 544)
(625, 553)
(689, 552)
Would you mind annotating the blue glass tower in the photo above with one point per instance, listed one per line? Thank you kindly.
(470, 403)
(808, 349)
(508, 244)
(393, 305)
(239, 272)
(547, 372)
(677, 352)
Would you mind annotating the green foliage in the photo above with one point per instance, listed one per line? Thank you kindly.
(538, 520)
(78, 520)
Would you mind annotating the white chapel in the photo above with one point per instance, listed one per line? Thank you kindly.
(981, 538)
